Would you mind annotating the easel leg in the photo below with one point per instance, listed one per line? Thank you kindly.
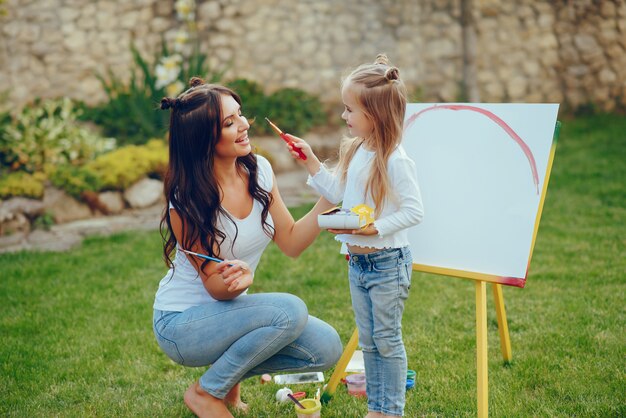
(503, 326)
(481, 349)
(340, 368)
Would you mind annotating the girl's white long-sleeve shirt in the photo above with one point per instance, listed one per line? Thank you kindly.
(403, 207)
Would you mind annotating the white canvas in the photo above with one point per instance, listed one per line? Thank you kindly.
(481, 170)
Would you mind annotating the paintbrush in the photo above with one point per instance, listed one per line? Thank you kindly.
(217, 260)
(297, 402)
(286, 139)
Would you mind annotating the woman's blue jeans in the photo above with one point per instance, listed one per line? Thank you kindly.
(247, 336)
(379, 285)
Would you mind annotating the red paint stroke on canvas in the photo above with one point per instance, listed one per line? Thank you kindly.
(493, 117)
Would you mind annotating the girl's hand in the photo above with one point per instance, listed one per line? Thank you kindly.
(236, 274)
(370, 229)
(312, 163)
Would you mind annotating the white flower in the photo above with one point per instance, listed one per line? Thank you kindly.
(165, 76)
(173, 89)
(167, 70)
(186, 9)
(182, 37)
(172, 61)
(180, 40)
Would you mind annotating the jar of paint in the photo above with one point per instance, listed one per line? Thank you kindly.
(356, 384)
(312, 409)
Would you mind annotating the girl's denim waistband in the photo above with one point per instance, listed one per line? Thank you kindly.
(403, 253)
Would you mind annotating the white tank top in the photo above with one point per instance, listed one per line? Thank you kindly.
(182, 287)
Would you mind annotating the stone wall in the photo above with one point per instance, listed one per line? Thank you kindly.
(567, 51)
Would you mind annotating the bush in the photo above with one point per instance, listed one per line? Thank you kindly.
(132, 112)
(116, 170)
(119, 169)
(292, 110)
(295, 111)
(46, 134)
(22, 184)
(75, 180)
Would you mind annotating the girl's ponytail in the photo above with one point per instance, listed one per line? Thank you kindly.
(392, 74)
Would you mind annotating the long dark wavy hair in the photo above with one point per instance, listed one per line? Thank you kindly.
(190, 184)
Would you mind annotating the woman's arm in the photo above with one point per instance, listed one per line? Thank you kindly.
(223, 281)
(294, 237)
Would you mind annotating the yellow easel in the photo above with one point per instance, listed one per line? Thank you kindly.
(481, 346)
(480, 280)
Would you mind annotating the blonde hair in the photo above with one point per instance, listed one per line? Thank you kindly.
(382, 95)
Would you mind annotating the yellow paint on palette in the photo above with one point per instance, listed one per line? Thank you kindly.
(366, 214)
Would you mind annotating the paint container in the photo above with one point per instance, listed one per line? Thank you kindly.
(410, 379)
(356, 384)
(299, 395)
(312, 409)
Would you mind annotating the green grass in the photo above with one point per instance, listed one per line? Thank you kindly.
(76, 336)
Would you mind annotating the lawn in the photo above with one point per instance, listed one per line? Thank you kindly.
(76, 337)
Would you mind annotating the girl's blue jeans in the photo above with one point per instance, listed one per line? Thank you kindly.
(379, 284)
(247, 336)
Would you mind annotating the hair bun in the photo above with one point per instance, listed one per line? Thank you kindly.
(196, 81)
(392, 73)
(382, 59)
(169, 103)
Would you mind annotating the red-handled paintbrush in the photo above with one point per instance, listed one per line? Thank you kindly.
(286, 139)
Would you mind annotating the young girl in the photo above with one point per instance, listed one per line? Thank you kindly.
(374, 170)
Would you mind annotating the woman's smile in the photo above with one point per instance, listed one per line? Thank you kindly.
(244, 140)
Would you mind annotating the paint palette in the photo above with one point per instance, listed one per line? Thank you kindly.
(338, 218)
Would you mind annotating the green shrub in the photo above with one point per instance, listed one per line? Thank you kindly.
(119, 169)
(46, 134)
(22, 184)
(75, 180)
(116, 170)
(132, 112)
(292, 110)
(44, 221)
(295, 111)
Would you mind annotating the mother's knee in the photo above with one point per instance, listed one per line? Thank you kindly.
(334, 347)
(329, 348)
(294, 310)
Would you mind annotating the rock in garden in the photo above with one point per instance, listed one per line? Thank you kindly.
(112, 201)
(144, 193)
(63, 207)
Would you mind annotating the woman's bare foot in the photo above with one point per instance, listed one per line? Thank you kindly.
(205, 405)
(233, 399)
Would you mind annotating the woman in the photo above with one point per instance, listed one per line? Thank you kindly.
(224, 203)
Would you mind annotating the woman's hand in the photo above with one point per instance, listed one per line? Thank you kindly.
(236, 274)
(369, 229)
(312, 163)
